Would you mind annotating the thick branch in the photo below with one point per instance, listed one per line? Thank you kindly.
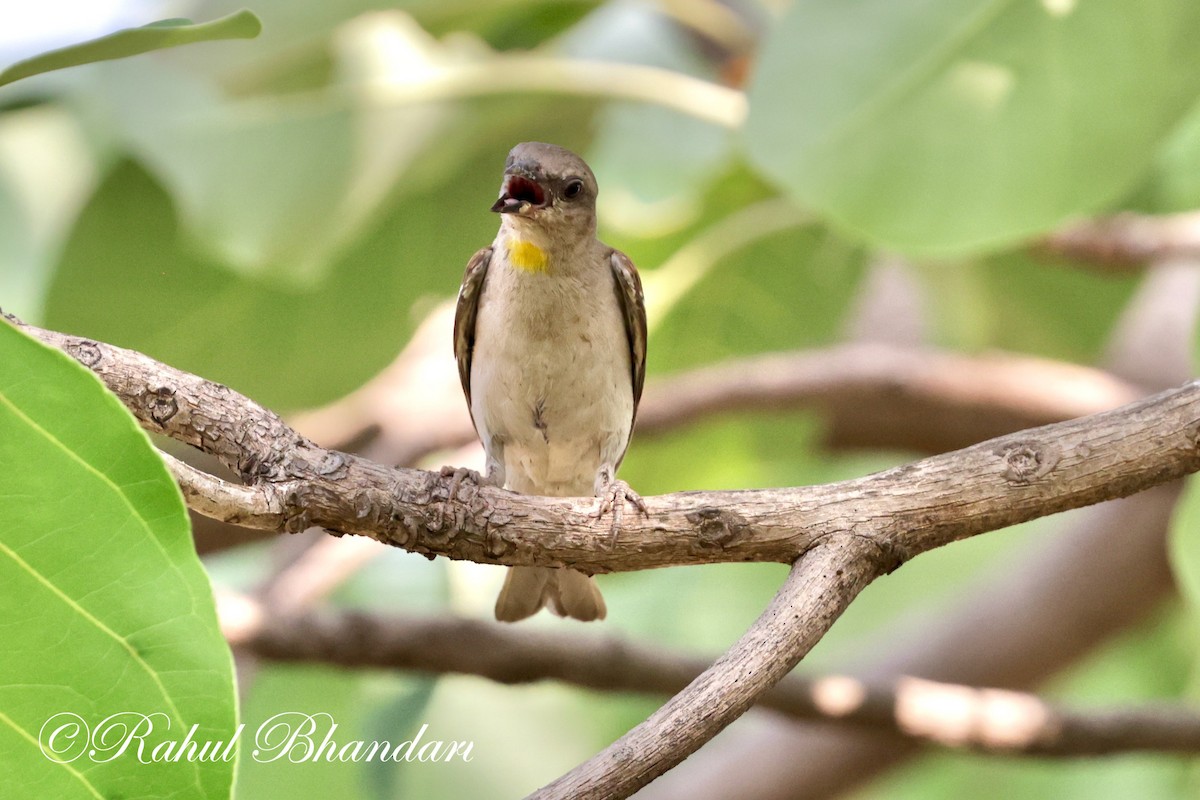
(981, 720)
(818, 589)
(910, 509)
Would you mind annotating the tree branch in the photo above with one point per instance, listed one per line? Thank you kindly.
(1128, 240)
(221, 500)
(910, 509)
(882, 395)
(818, 589)
(955, 716)
(848, 533)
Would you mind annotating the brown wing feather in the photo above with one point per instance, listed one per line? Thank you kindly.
(464, 317)
(633, 306)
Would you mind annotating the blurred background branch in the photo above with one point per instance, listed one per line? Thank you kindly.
(982, 720)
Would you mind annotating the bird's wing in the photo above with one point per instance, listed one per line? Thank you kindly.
(633, 308)
(464, 317)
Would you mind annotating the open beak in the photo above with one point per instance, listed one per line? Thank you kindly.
(520, 195)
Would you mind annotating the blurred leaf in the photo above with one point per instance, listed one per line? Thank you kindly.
(952, 126)
(396, 578)
(512, 25)
(1014, 301)
(1184, 544)
(785, 291)
(135, 41)
(1175, 181)
(261, 190)
(524, 736)
(292, 690)
(656, 162)
(128, 276)
(297, 35)
(17, 251)
(395, 717)
(277, 187)
(106, 609)
(46, 173)
(365, 706)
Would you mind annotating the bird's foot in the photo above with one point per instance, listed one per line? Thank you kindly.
(612, 497)
(457, 476)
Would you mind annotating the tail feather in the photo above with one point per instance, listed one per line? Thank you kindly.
(565, 592)
(575, 595)
(523, 593)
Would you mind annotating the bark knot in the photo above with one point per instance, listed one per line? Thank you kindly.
(160, 404)
(85, 351)
(1026, 462)
(717, 527)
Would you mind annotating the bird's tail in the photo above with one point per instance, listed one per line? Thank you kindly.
(564, 591)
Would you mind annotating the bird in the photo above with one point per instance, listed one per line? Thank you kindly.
(550, 340)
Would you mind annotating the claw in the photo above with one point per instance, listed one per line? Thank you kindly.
(457, 475)
(613, 498)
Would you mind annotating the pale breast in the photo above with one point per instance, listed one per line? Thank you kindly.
(550, 377)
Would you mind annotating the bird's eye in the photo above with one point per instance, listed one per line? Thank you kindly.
(573, 189)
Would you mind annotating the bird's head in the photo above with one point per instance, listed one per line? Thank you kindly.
(549, 188)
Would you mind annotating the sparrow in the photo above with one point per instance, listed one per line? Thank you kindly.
(550, 339)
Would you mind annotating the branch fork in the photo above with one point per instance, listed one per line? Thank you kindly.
(838, 537)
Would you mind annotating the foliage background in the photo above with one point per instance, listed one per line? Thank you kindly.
(279, 215)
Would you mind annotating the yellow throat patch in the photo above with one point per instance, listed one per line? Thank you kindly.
(527, 256)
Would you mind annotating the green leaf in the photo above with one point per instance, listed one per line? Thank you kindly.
(1014, 301)
(365, 706)
(1184, 544)
(1175, 181)
(656, 161)
(781, 286)
(106, 609)
(951, 126)
(135, 41)
(46, 174)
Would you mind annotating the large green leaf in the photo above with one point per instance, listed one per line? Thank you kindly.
(957, 125)
(105, 609)
(135, 41)
(128, 275)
